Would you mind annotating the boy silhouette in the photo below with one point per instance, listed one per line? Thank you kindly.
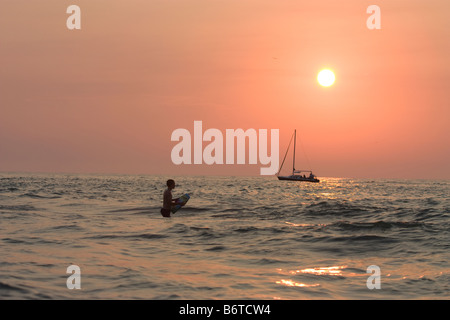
(167, 199)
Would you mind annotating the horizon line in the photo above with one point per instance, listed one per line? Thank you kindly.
(202, 175)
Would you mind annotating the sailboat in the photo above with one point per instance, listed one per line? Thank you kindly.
(296, 177)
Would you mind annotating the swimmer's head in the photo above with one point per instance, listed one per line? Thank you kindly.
(170, 183)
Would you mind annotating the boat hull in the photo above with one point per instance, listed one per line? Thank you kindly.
(297, 178)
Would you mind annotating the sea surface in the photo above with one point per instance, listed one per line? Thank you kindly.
(237, 238)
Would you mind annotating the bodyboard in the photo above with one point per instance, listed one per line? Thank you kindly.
(180, 202)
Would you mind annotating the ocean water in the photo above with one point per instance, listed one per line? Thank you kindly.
(237, 238)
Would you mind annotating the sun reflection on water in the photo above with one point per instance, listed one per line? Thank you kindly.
(305, 224)
(332, 271)
(317, 271)
(291, 283)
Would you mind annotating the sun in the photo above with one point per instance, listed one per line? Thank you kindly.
(326, 78)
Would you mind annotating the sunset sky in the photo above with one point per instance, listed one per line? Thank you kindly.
(106, 98)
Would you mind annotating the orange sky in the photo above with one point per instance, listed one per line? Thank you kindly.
(106, 98)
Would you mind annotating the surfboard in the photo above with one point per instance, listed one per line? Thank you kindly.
(181, 202)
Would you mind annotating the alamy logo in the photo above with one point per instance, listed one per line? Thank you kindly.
(213, 153)
(74, 20)
(74, 281)
(374, 21)
(374, 281)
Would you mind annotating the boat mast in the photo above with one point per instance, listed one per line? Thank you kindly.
(285, 155)
(293, 162)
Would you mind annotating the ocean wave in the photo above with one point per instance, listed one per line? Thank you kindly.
(24, 207)
(363, 238)
(336, 208)
(380, 225)
(9, 189)
(143, 236)
(266, 261)
(246, 229)
(133, 209)
(37, 196)
(5, 288)
(216, 248)
(65, 227)
(32, 241)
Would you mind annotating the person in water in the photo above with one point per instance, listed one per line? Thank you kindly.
(167, 199)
